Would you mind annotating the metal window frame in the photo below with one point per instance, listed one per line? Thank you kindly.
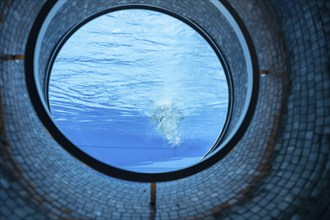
(39, 97)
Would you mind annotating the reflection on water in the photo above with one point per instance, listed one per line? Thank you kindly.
(139, 90)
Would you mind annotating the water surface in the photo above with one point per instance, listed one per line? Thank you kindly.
(139, 90)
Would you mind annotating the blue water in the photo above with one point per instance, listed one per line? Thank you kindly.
(139, 90)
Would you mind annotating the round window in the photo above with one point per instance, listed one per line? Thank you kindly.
(142, 92)
(139, 90)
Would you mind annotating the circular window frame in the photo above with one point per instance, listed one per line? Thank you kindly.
(190, 23)
(43, 111)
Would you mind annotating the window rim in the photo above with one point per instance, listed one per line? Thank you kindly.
(107, 169)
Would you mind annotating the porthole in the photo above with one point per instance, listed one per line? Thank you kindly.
(139, 90)
(119, 97)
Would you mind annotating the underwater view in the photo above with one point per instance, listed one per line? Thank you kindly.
(139, 90)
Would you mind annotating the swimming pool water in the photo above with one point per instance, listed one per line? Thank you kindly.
(139, 90)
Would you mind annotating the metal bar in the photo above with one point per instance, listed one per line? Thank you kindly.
(152, 194)
(9, 57)
(265, 72)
